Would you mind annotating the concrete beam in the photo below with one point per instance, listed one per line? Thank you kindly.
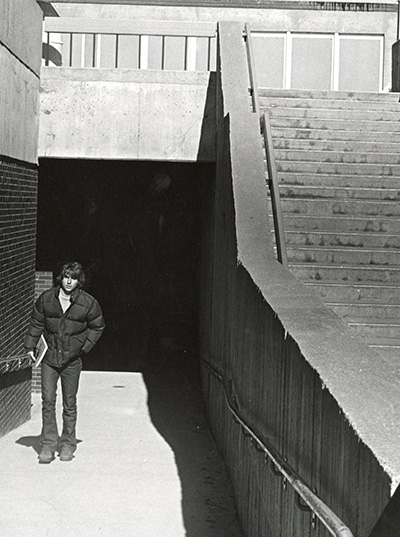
(364, 5)
(124, 114)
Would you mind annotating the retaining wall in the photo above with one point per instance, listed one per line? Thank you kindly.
(20, 57)
(291, 367)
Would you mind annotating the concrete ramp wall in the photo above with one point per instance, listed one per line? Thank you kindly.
(127, 114)
(290, 366)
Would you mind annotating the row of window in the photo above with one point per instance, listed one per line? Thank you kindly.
(319, 61)
(283, 60)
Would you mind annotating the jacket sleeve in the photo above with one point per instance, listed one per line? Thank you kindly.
(36, 325)
(95, 326)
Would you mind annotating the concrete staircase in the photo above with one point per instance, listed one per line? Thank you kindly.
(338, 162)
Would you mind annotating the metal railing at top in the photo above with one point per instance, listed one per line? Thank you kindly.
(265, 128)
(107, 43)
(313, 503)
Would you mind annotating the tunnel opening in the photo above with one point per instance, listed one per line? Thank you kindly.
(136, 228)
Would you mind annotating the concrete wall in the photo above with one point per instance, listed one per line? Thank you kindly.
(355, 18)
(20, 57)
(122, 114)
(290, 366)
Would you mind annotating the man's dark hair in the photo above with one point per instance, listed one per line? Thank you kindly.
(73, 270)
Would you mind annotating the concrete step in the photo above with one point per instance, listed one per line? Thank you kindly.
(312, 155)
(343, 256)
(343, 292)
(339, 193)
(365, 310)
(343, 146)
(384, 342)
(346, 240)
(376, 329)
(340, 223)
(346, 273)
(345, 114)
(338, 168)
(329, 95)
(341, 207)
(357, 126)
(389, 353)
(337, 180)
(289, 131)
(269, 102)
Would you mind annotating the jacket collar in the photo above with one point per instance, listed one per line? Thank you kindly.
(73, 297)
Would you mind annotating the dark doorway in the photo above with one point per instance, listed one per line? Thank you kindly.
(136, 228)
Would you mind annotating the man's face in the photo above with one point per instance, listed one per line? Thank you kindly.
(68, 284)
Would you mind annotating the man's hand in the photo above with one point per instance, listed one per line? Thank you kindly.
(32, 357)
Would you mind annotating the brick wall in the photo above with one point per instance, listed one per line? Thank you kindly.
(15, 398)
(18, 202)
(43, 281)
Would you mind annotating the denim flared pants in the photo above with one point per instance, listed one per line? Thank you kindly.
(69, 375)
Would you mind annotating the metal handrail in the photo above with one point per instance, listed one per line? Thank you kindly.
(12, 358)
(329, 519)
(265, 128)
(252, 70)
(274, 189)
(9, 364)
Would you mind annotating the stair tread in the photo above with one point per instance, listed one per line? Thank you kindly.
(343, 266)
(345, 188)
(331, 94)
(333, 283)
(338, 124)
(340, 233)
(330, 175)
(344, 134)
(362, 303)
(343, 217)
(388, 345)
(361, 321)
(356, 249)
(340, 200)
(353, 157)
(268, 104)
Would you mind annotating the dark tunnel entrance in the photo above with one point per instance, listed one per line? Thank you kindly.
(136, 229)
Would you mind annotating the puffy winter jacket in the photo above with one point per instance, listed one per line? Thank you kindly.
(69, 334)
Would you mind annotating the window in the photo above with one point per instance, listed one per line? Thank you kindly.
(319, 61)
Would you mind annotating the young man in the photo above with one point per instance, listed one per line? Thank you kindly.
(71, 321)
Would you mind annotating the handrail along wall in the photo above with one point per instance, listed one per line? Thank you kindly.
(270, 158)
(313, 503)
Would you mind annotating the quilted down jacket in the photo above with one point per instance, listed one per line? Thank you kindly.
(70, 334)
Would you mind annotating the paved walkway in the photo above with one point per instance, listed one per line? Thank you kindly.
(146, 466)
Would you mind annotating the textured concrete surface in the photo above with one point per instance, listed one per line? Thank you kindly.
(146, 465)
(127, 114)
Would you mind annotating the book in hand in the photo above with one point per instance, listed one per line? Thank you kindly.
(40, 351)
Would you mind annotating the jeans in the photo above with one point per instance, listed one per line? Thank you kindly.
(69, 375)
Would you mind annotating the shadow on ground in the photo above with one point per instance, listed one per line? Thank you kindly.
(30, 442)
(177, 411)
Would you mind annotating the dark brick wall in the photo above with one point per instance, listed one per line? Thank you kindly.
(18, 204)
(15, 399)
(43, 281)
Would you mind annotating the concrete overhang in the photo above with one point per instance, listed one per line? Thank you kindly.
(127, 114)
(365, 5)
(47, 8)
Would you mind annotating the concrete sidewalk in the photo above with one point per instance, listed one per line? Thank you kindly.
(145, 466)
